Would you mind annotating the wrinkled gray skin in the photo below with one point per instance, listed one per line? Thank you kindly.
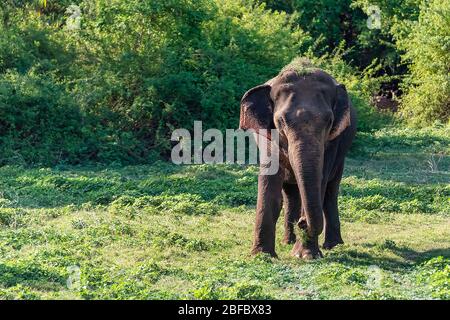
(316, 125)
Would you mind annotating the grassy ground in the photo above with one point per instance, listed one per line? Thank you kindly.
(163, 231)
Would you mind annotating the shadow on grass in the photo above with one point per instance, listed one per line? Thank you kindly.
(52, 188)
(368, 144)
(404, 257)
(401, 168)
(420, 256)
(31, 276)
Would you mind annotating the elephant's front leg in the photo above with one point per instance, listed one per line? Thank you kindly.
(330, 209)
(267, 212)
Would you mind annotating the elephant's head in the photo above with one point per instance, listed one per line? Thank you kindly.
(309, 109)
(311, 104)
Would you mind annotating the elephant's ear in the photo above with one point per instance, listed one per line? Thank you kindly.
(257, 109)
(341, 112)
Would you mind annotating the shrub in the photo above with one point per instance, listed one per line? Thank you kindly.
(39, 123)
(194, 65)
(380, 44)
(106, 93)
(327, 21)
(112, 90)
(428, 50)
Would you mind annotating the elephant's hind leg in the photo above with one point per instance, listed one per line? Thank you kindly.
(292, 207)
(331, 213)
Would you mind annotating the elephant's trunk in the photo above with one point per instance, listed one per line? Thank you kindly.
(306, 158)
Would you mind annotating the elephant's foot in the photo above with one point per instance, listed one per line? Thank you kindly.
(289, 238)
(331, 243)
(306, 252)
(257, 249)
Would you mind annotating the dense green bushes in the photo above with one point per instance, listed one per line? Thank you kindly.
(38, 120)
(194, 65)
(328, 21)
(113, 89)
(136, 70)
(427, 47)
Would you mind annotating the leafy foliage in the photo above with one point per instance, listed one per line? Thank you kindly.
(131, 83)
(428, 50)
(38, 120)
(115, 87)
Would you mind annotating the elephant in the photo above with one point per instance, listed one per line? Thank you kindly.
(316, 124)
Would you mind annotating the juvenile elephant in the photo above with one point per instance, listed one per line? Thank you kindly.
(316, 125)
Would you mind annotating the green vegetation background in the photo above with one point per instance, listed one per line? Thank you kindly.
(105, 96)
(112, 89)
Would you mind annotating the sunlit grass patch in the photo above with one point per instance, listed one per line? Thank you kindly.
(163, 231)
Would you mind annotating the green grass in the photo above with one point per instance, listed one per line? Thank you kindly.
(164, 231)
